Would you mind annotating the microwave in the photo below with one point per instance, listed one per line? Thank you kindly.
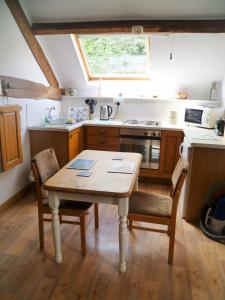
(203, 116)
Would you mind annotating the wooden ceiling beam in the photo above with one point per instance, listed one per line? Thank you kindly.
(21, 88)
(150, 26)
(32, 42)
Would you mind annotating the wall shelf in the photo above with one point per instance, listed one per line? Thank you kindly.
(152, 100)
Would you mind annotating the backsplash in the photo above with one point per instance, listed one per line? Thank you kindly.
(156, 110)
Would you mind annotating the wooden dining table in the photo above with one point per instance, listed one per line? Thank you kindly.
(101, 186)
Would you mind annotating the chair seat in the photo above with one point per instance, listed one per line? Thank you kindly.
(150, 204)
(67, 204)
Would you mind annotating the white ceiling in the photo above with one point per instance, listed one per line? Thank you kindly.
(94, 10)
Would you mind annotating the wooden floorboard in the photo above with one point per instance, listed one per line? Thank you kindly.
(26, 272)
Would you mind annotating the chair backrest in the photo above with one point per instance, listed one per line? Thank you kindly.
(178, 177)
(44, 165)
(181, 167)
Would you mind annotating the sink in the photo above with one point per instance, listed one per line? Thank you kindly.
(61, 122)
(58, 125)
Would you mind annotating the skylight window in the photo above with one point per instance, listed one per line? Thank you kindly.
(115, 57)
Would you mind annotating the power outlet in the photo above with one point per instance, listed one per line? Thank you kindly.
(117, 101)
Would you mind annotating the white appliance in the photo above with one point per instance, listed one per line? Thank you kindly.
(203, 116)
(185, 153)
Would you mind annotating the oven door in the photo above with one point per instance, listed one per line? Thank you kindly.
(149, 148)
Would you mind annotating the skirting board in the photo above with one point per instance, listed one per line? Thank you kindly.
(15, 197)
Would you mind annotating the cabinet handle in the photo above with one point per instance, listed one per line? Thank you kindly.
(102, 140)
(104, 132)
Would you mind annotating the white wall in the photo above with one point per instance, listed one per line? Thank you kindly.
(198, 59)
(223, 91)
(16, 60)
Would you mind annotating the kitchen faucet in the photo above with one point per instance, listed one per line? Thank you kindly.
(49, 116)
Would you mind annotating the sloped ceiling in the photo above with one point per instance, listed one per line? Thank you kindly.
(190, 55)
(94, 10)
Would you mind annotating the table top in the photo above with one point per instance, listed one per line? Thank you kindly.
(101, 182)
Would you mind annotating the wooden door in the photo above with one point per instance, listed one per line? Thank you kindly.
(169, 152)
(10, 136)
(75, 143)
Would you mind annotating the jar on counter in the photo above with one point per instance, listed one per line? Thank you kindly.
(172, 117)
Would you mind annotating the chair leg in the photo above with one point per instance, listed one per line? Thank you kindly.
(82, 235)
(60, 219)
(130, 223)
(41, 230)
(168, 232)
(96, 215)
(171, 244)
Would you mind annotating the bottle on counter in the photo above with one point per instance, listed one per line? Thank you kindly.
(213, 91)
(220, 123)
(172, 117)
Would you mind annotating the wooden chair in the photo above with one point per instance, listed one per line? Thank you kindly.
(44, 165)
(159, 209)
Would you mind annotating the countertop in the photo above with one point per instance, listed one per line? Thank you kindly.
(203, 138)
(110, 123)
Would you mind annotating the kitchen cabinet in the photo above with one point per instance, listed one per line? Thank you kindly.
(206, 168)
(10, 137)
(169, 151)
(67, 145)
(75, 145)
(102, 138)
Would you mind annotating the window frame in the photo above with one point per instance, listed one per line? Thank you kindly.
(84, 62)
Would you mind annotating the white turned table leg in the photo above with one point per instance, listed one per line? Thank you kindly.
(54, 205)
(123, 211)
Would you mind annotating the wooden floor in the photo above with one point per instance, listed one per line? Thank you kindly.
(26, 272)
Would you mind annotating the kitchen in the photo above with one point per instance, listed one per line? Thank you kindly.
(198, 52)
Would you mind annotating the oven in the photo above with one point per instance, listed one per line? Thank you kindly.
(143, 141)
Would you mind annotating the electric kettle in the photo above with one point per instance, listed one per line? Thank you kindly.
(105, 112)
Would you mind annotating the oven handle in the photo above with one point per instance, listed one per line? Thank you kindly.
(153, 138)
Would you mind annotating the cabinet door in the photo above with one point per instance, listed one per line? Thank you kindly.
(75, 143)
(11, 148)
(169, 152)
(44, 139)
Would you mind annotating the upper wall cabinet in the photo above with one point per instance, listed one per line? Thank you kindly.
(10, 137)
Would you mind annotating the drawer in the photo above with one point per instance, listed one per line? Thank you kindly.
(103, 148)
(103, 131)
(103, 140)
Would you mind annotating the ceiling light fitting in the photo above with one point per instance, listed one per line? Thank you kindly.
(137, 29)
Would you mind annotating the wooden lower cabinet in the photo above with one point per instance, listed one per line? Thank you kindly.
(102, 138)
(67, 145)
(10, 137)
(107, 139)
(75, 143)
(206, 168)
(169, 151)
